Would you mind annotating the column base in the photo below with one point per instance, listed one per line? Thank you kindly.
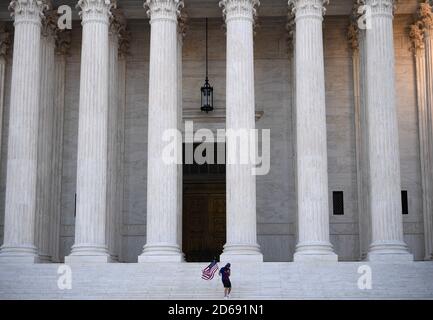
(18, 255)
(314, 251)
(161, 253)
(241, 253)
(428, 258)
(389, 251)
(88, 254)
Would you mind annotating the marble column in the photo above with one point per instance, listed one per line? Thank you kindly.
(311, 144)
(162, 177)
(182, 26)
(45, 137)
(63, 43)
(241, 242)
(90, 225)
(384, 158)
(291, 44)
(123, 52)
(117, 24)
(421, 34)
(5, 42)
(356, 37)
(20, 209)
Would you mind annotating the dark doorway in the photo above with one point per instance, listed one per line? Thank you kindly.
(204, 210)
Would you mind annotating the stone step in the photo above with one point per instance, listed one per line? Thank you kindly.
(250, 281)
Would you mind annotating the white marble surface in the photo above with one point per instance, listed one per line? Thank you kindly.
(276, 203)
(44, 192)
(250, 282)
(241, 240)
(90, 238)
(312, 161)
(162, 178)
(20, 208)
(384, 160)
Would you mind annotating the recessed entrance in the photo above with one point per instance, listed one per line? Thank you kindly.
(204, 210)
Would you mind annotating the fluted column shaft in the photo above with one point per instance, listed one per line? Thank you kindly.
(121, 152)
(113, 102)
(384, 158)
(5, 39)
(19, 229)
(180, 36)
(312, 164)
(2, 92)
(428, 142)
(240, 115)
(90, 238)
(59, 107)
(357, 41)
(45, 144)
(162, 184)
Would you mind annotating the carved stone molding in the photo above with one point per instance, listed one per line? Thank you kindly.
(239, 9)
(95, 10)
(425, 14)
(308, 8)
(27, 11)
(118, 26)
(5, 41)
(352, 37)
(164, 9)
(182, 23)
(124, 42)
(63, 42)
(353, 28)
(49, 23)
(416, 34)
(290, 27)
(117, 21)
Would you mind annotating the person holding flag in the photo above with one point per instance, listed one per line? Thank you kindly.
(209, 272)
(225, 277)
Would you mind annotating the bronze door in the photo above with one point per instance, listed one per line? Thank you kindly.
(204, 221)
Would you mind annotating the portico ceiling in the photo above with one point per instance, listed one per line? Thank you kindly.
(209, 8)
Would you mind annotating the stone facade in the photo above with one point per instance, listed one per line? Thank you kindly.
(276, 195)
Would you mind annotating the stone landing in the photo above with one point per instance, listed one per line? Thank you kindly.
(329, 280)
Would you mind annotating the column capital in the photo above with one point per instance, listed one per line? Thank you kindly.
(308, 8)
(239, 9)
(49, 22)
(353, 37)
(27, 11)
(63, 42)
(95, 10)
(291, 28)
(182, 24)
(425, 15)
(163, 9)
(353, 30)
(5, 41)
(117, 21)
(381, 7)
(416, 35)
(118, 28)
(124, 42)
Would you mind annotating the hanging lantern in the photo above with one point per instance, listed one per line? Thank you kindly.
(206, 90)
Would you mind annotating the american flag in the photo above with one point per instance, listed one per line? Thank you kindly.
(209, 271)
